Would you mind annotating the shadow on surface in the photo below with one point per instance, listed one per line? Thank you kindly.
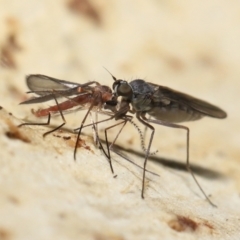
(171, 163)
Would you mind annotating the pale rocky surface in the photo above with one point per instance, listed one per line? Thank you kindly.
(193, 47)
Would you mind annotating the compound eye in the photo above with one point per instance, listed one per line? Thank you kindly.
(123, 89)
(115, 85)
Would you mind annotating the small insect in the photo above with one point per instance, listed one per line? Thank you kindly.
(51, 88)
(167, 106)
(90, 96)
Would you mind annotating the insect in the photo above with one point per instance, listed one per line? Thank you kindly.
(90, 96)
(51, 88)
(168, 108)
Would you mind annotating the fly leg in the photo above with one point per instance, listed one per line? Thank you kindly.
(188, 166)
(139, 116)
(48, 121)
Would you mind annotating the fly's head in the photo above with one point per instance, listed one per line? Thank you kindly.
(122, 88)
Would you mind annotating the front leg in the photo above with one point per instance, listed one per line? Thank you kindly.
(123, 109)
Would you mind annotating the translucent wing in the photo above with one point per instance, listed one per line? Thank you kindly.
(41, 84)
(49, 88)
(201, 106)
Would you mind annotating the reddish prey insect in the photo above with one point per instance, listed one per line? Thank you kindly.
(84, 96)
(51, 88)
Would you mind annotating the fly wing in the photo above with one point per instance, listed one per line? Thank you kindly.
(39, 99)
(54, 95)
(43, 85)
(49, 88)
(201, 106)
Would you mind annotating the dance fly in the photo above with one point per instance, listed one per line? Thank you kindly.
(168, 108)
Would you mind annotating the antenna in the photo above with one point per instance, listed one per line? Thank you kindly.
(114, 78)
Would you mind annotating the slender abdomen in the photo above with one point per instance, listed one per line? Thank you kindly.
(175, 113)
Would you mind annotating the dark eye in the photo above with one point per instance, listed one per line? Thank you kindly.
(122, 88)
(115, 85)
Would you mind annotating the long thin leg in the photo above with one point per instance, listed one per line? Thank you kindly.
(94, 125)
(80, 129)
(107, 154)
(124, 157)
(139, 115)
(111, 146)
(115, 139)
(107, 143)
(96, 100)
(90, 124)
(48, 121)
(43, 124)
(188, 166)
(106, 137)
(145, 131)
(127, 119)
(142, 137)
(61, 125)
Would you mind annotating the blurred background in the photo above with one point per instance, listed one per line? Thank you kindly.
(190, 46)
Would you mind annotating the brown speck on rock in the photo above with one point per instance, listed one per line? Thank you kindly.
(107, 236)
(63, 137)
(208, 225)
(4, 234)
(58, 136)
(15, 92)
(10, 45)
(81, 143)
(182, 223)
(13, 200)
(62, 215)
(130, 141)
(86, 8)
(66, 137)
(14, 133)
(175, 63)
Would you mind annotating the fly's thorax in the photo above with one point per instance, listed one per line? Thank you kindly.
(142, 95)
(142, 103)
(141, 87)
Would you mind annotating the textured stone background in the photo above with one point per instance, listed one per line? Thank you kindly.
(192, 46)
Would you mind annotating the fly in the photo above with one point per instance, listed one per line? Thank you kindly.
(90, 96)
(168, 108)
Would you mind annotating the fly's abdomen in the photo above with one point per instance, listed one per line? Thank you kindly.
(174, 113)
